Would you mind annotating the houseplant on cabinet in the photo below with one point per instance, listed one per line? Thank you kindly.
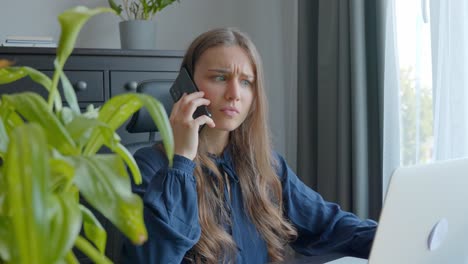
(49, 156)
(137, 28)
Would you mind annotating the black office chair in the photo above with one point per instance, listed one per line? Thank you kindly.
(141, 121)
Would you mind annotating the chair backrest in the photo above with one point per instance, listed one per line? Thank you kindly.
(141, 121)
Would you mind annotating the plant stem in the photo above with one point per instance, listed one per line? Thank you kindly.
(70, 258)
(127, 11)
(84, 246)
(54, 90)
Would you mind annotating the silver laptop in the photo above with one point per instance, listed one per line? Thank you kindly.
(424, 218)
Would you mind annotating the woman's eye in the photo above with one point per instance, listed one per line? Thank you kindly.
(220, 78)
(246, 83)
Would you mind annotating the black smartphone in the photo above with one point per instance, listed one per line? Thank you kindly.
(184, 84)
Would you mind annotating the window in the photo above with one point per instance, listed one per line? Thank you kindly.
(415, 72)
(425, 82)
(432, 51)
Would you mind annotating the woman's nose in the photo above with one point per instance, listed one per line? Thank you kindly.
(233, 90)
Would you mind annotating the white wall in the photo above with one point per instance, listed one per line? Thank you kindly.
(272, 24)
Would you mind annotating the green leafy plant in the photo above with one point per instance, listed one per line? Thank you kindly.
(139, 9)
(49, 157)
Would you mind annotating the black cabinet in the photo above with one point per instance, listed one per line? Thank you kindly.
(97, 75)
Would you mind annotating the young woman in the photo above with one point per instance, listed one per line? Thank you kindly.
(228, 197)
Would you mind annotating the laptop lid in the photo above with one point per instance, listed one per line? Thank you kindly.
(425, 216)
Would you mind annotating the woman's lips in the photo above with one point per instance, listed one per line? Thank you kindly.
(230, 111)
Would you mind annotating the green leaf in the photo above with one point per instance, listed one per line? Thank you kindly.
(91, 112)
(11, 74)
(119, 108)
(129, 161)
(104, 183)
(4, 139)
(93, 229)
(71, 22)
(34, 109)
(6, 249)
(49, 224)
(159, 115)
(65, 223)
(146, 9)
(10, 118)
(95, 256)
(5, 238)
(114, 113)
(62, 175)
(71, 258)
(8, 75)
(69, 93)
(3, 194)
(80, 130)
(39, 77)
(27, 191)
(115, 7)
(66, 115)
(164, 3)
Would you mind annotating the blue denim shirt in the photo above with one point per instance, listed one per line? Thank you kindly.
(171, 215)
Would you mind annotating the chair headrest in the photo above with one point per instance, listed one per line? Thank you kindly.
(141, 121)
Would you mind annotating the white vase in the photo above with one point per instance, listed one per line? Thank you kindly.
(138, 34)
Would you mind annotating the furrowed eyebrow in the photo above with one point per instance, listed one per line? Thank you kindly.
(227, 71)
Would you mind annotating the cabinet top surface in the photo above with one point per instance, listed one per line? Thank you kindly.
(94, 52)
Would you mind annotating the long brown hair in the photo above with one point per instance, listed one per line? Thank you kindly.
(250, 148)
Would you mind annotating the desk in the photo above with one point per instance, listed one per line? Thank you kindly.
(313, 259)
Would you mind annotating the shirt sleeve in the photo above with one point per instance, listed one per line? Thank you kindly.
(322, 226)
(170, 209)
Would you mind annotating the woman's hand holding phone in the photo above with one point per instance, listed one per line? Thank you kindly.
(185, 127)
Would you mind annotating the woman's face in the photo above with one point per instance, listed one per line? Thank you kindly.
(226, 75)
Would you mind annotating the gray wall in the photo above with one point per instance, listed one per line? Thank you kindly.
(272, 24)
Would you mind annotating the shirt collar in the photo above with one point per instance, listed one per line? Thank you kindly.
(224, 161)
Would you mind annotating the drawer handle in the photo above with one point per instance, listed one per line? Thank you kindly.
(131, 86)
(80, 86)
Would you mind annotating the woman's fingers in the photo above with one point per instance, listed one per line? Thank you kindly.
(189, 108)
(184, 127)
(189, 97)
(204, 120)
(186, 106)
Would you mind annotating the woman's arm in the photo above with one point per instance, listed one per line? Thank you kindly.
(322, 226)
(171, 210)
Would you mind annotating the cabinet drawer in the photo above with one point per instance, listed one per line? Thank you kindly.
(124, 81)
(89, 86)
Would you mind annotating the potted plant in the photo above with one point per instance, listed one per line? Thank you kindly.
(49, 157)
(137, 28)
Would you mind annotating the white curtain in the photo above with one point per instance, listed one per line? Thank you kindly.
(449, 37)
(426, 82)
(391, 100)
